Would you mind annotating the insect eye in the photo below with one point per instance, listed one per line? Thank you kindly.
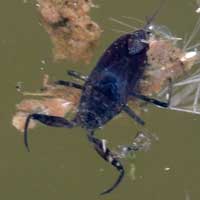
(148, 32)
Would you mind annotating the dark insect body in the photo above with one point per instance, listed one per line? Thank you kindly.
(106, 92)
(108, 88)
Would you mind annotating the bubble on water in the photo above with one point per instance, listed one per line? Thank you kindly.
(166, 169)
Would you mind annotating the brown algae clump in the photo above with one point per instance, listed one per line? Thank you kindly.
(73, 33)
(54, 100)
(170, 58)
(166, 59)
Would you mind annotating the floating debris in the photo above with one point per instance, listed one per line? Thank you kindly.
(166, 169)
(185, 96)
(19, 86)
(141, 142)
(43, 62)
(132, 171)
(19, 119)
(54, 100)
(187, 196)
(197, 6)
(166, 60)
(73, 34)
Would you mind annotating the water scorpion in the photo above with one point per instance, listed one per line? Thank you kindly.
(106, 92)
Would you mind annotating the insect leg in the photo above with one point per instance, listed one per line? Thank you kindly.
(151, 100)
(106, 154)
(133, 115)
(155, 101)
(77, 75)
(47, 120)
(69, 84)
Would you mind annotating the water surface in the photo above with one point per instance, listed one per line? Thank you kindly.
(62, 165)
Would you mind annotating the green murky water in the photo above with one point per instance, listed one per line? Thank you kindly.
(61, 164)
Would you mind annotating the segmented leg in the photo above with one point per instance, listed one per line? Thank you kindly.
(107, 155)
(69, 84)
(133, 115)
(155, 101)
(47, 120)
(77, 75)
(151, 100)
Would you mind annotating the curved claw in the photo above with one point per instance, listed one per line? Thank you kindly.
(122, 172)
(48, 120)
(26, 132)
